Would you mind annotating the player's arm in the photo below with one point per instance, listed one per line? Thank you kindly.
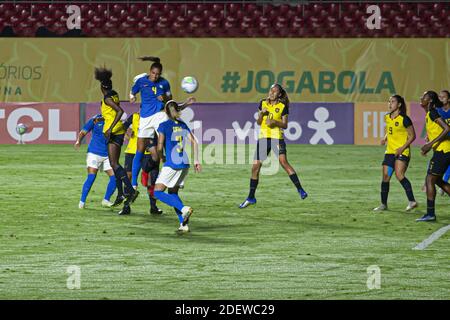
(119, 112)
(160, 147)
(411, 137)
(193, 141)
(261, 113)
(283, 124)
(80, 138)
(188, 102)
(134, 91)
(86, 128)
(126, 125)
(446, 129)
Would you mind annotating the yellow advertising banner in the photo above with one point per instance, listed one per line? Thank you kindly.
(228, 70)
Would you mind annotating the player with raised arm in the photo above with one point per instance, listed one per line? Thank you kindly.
(172, 137)
(97, 156)
(114, 133)
(399, 135)
(273, 118)
(155, 91)
(437, 131)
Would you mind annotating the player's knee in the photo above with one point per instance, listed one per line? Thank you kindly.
(400, 176)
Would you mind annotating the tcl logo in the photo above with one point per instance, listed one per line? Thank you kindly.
(46, 123)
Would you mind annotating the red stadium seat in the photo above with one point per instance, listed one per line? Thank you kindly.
(427, 19)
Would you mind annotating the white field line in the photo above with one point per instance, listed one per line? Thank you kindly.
(436, 235)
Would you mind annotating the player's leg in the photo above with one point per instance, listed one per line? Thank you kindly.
(170, 178)
(387, 170)
(445, 179)
(431, 197)
(280, 150)
(401, 165)
(261, 153)
(136, 167)
(443, 183)
(436, 170)
(128, 165)
(91, 175)
(174, 191)
(111, 184)
(152, 171)
(114, 147)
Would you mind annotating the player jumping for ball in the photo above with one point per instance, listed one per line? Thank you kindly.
(114, 133)
(273, 118)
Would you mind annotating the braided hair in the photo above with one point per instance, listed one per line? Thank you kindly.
(104, 76)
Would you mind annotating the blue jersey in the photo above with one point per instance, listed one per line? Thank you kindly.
(175, 133)
(98, 144)
(445, 115)
(150, 91)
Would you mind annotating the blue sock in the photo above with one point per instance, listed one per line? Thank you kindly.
(110, 188)
(178, 212)
(170, 199)
(87, 186)
(446, 175)
(180, 217)
(136, 168)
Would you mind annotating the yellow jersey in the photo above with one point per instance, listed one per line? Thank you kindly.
(276, 112)
(133, 123)
(434, 130)
(397, 133)
(109, 113)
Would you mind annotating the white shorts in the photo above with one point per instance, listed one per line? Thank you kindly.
(148, 125)
(95, 161)
(172, 178)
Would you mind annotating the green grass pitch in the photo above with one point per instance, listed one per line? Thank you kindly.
(282, 248)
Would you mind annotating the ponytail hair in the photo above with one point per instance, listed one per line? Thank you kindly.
(104, 76)
(172, 109)
(402, 103)
(156, 62)
(283, 98)
(435, 102)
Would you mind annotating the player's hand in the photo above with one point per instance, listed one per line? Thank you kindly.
(425, 149)
(107, 135)
(383, 141)
(190, 100)
(264, 111)
(77, 145)
(197, 167)
(132, 98)
(399, 152)
(160, 98)
(269, 122)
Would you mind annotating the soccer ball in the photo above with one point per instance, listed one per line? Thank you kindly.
(21, 128)
(189, 84)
